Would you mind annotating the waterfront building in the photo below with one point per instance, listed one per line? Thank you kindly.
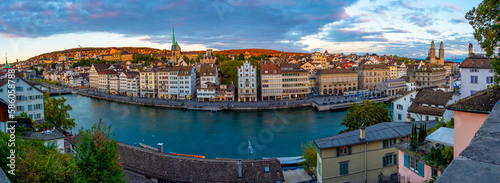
(182, 82)
(432, 59)
(336, 81)
(393, 72)
(149, 84)
(363, 155)
(206, 92)
(429, 75)
(416, 168)
(28, 98)
(93, 76)
(477, 74)
(163, 82)
(209, 73)
(295, 81)
(370, 76)
(104, 80)
(401, 105)
(225, 92)
(133, 83)
(430, 105)
(247, 83)
(123, 83)
(392, 87)
(271, 82)
(114, 84)
(470, 114)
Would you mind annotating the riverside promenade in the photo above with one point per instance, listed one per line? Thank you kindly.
(324, 103)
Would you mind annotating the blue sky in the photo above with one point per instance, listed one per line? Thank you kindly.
(406, 28)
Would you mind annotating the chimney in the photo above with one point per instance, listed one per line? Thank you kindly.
(239, 169)
(160, 147)
(408, 118)
(470, 49)
(362, 132)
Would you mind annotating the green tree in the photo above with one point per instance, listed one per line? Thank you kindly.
(140, 68)
(186, 59)
(198, 58)
(309, 155)
(229, 71)
(56, 112)
(241, 57)
(97, 155)
(368, 114)
(403, 59)
(485, 20)
(163, 58)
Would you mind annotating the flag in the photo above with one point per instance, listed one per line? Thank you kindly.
(250, 147)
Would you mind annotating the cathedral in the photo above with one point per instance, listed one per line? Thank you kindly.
(432, 59)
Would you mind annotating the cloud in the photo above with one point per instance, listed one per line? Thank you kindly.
(433, 32)
(453, 7)
(420, 19)
(457, 20)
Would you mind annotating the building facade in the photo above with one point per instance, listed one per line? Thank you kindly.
(94, 72)
(247, 83)
(133, 84)
(477, 74)
(295, 81)
(430, 75)
(271, 82)
(336, 81)
(182, 82)
(28, 98)
(149, 84)
(372, 75)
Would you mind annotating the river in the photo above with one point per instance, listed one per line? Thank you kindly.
(273, 133)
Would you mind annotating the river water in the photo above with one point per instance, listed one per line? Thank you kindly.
(273, 133)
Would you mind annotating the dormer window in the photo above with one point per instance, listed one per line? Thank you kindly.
(265, 71)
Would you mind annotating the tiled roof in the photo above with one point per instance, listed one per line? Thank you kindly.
(377, 132)
(185, 70)
(270, 68)
(480, 102)
(372, 66)
(100, 67)
(208, 70)
(56, 134)
(409, 79)
(175, 168)
(476, 63)
(431, 98)
(210, 85)
(431, 68)
(415, 108)
(335, 71)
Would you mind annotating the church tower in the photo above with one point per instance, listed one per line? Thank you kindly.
(441, 54)
(176, 49)
(433, 53)
(471, 53)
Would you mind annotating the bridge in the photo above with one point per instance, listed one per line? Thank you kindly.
(58, 92)
(326, 106)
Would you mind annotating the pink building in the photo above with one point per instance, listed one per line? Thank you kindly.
(414, 170)
(225, 92)
(470, 114)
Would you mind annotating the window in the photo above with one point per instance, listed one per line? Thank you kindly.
(342, 151)
(426, 118)
(474, 70)
(389, 159)
(399, 106)
(404, 139)
(344, 168)
(319, 167)
(399, 117)
(489, 79)
(413, 164)
(473, 79)
(434, 173)
(389, 143)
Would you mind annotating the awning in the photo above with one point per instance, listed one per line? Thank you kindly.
(443, 136)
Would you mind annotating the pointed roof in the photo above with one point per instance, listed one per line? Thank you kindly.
(6, 66)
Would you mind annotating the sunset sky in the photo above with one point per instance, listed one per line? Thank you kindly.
(405, 28)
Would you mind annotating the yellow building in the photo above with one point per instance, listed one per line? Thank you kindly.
(319, 58)
(309, 67)
(362, 155)
(149, 84)
(393, 72)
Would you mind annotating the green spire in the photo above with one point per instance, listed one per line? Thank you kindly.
(6, 66)
(173, 36)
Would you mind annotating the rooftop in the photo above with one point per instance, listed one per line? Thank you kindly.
(335, 71)
(478, 162)
(480, 102)
(3, 177)
(56, 134)
(377, 132)
(476, 63)
(174, 168)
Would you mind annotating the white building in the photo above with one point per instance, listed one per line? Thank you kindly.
(208, 73)
(163, 82)
(477, 74)
(114, 83)
(123, 83)
(430, 105)
(206, 92)
(133, 84)
(401, 105)
(28, 99)
(94, 74)
(247, 83)
(104, 80)
(182, 82)
(402, 70)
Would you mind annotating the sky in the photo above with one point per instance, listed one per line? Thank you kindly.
(404, 28)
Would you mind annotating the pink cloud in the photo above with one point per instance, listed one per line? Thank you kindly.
(7, 35)
(104, 15)
(453, 7)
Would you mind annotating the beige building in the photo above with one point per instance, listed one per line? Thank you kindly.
(271, 82)
(94, 74)
(362, 155)
(320, 59)
(336, 81)
(372, 75)
(149, 84)
(295, 81)
(430, 75)
(309, 67)
(118, 56)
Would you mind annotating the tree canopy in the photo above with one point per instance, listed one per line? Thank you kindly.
(309, 155)
(229, 72)
(485, 20)
(56, 112)
(368, 114)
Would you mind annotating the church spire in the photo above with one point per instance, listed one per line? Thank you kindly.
(6, 63)
(173, 36)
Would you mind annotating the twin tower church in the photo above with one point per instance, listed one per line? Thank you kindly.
(431, 58)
